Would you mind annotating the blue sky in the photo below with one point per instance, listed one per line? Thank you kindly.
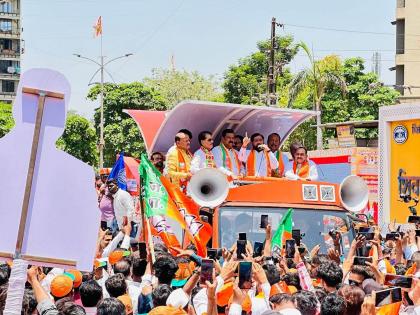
(203, 35)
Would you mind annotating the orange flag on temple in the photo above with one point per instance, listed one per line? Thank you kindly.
(98, 27)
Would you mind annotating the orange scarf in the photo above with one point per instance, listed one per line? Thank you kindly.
(250, 164)
(279, 172)
(209, 158)
(227, 162)
(183, 168)
(303, 172)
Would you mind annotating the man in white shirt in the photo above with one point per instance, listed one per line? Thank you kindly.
(273, 142)
(123, 204)
(226, 156)
(259, 161)
(301, 168)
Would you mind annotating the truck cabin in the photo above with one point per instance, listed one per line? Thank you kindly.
(318, 208)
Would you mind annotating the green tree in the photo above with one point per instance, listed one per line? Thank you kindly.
(246, 82)
(79, 139)
(120, 131)
(6, 119)
(318, 77)
(176, 86)
(365, 95)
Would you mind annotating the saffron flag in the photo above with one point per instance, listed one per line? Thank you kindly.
(118, 172)
(283, 233)
(162, 198)
(98, 27)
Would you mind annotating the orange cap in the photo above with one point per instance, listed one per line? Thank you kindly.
(125, 299)
(61, 286)
(117, 255)
(77, 277)
(105, 171)
(167, 310)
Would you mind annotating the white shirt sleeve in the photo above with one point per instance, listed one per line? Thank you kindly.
(274, 164)
(243, 155)
(128, 204)
(113, 244)
(313, 171)
(289, 174)
(235, 309)
(196, 162)
(217, 153)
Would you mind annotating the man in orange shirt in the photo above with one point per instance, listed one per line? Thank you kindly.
(178, 161)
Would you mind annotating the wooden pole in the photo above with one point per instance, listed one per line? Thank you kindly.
(32, 163)
(146, 224)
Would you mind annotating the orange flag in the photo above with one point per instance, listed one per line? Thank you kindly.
(98, 27)
(160, 227)
(186, 212)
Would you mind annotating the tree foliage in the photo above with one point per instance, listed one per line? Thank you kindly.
(6, 119)
(79, 139)
(120, 131)
(246, 82)
(176, 86)
(365, 94)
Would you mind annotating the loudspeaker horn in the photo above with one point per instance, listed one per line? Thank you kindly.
(354, 193)
(208, 187)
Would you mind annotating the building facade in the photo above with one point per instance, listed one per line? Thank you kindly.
(407, 59)
(10, 48)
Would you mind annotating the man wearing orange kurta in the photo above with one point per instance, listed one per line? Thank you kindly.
(178, 162)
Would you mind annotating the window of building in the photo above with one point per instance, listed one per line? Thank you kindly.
(5, 26)
(399, 79)
(400, 3)
(8, 86)
(400, 36)
(6, 7)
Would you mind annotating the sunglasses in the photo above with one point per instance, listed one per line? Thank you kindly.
(354, 283)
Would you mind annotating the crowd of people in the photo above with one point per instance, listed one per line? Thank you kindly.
(126, 280)
(130, 277)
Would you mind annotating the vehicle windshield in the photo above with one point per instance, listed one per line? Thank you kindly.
(313, 223)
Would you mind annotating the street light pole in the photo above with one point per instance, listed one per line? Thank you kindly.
(101, 127)
(101, 124)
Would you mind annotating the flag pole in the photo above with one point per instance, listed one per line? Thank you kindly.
(146, 224)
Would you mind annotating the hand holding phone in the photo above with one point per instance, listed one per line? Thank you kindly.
(264, 221)
(387, 296)
(290, 248)
(398, 281)
(206, 274)
(240, 249)
(245, 273)
(142, 250)
(361, 261)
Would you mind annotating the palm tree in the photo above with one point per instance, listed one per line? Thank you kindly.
(317, 77)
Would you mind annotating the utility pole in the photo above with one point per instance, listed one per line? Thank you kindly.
(101, 125)
(101, 69)
(271, 82)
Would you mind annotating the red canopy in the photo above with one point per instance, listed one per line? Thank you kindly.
(159, 128)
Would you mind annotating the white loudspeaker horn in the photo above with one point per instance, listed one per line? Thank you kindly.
(208, 187)
(354, 193)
